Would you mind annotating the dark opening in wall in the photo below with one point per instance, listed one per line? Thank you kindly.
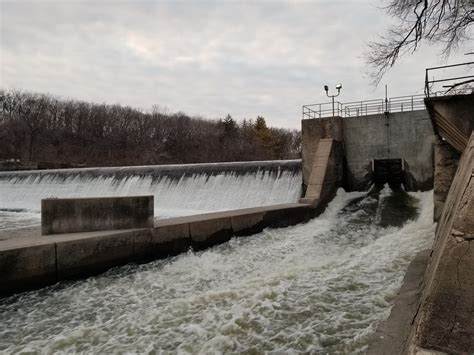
(391, 171)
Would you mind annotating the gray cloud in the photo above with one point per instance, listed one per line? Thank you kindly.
(204, 58)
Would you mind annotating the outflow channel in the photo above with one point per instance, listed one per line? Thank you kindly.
(322, 286)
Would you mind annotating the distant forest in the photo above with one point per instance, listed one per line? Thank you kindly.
(38, 127)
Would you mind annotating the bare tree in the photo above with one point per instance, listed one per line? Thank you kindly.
(441, 21)
(55, 132)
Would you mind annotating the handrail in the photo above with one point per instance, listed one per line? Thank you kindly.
(455, 86)
(365, 107)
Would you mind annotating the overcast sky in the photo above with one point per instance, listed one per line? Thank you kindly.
(206, 58)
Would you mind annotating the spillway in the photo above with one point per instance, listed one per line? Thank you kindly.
(318, 287)
(178, 189)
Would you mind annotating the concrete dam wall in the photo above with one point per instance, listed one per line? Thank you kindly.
(402, 135)
(320, 286)
(434, 312)
(178, 189)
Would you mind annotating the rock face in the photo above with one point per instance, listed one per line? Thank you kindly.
(445, 318)
(446, 163)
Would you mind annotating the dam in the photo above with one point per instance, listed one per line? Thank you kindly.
(179, 189)
(321, 282)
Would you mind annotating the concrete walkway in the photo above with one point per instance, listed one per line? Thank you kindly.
(29, 260)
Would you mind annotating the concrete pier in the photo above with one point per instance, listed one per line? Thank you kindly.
(326, 172)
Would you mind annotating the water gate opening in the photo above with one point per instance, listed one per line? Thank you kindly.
(388, 171)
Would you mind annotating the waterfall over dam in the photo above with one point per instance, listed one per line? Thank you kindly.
(178, 189)
(320, 286)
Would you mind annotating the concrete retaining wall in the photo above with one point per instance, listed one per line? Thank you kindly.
(326, 174)
(401, 135)
(72, 215)
(312, 131)
(444, 320)
(32, 262)
(452, 118)
(446, 160)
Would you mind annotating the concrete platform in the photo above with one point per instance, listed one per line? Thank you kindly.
(29, 261)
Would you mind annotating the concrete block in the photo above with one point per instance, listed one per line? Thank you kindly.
(313, 191)
(74, 215)
(324, 148)
(142, 251)
(310, 201)
(247, 224)
(318, 175)
(85, 256)
(312, 130)
(27, 268)
(170, 240)
(208, 232)
(279, 218)
(320, 161)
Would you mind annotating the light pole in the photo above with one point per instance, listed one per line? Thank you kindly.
(338, 88)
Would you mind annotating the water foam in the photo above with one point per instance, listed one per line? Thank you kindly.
(321, 286)
(176, 193)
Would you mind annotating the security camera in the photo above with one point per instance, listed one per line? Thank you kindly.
(339, 86)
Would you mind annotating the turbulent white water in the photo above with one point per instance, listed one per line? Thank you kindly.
(175, 194)
(318, 287)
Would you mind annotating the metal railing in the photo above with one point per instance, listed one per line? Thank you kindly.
(458, 84)
(364, 108)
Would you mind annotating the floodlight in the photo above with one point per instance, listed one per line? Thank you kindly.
(326, 88)
(339, 86)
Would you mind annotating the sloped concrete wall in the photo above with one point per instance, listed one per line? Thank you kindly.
(312, 131)
(326, 173)
(445, 318)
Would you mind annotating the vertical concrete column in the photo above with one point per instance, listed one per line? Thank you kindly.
(326, 174)
(312, 131)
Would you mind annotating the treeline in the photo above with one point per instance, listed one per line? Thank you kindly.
(38, 127)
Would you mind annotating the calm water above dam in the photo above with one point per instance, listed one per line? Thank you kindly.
(322, 286)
